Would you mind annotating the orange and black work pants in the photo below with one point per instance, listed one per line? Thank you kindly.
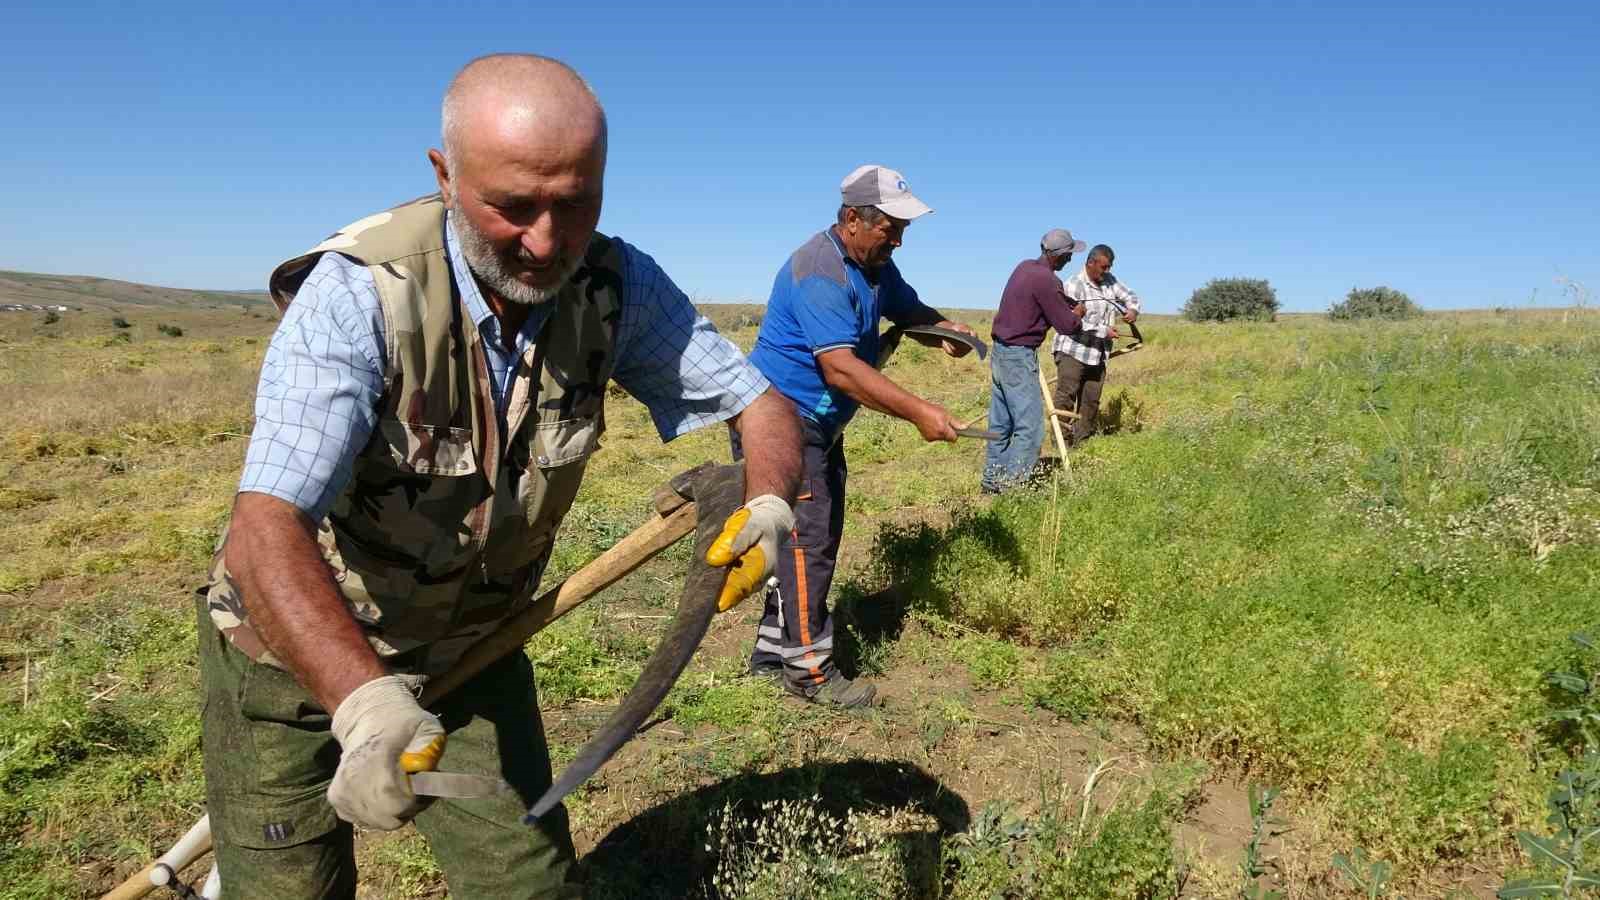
(796, 630)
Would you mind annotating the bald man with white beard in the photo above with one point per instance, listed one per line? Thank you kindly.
(425, 412)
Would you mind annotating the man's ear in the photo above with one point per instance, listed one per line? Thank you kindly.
(441, 174)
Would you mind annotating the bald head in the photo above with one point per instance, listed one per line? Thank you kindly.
(520, 98)
(522, 172)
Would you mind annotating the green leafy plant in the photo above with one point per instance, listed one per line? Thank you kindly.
(1576, 695)
(1225, 299)
(1367, 875)
(1262, 828)
(1375, 303)
(1574, 804)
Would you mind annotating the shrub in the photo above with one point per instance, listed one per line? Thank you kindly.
(1223, 299)
(1375, 303)
(52, 317)
(170, 330)
(120, 322)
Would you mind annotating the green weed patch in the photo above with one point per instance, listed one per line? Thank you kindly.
(1346, 577)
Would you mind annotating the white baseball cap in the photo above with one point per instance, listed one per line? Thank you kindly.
(884, 188)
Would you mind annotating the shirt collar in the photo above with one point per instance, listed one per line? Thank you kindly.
(472, 296)
(838, 246)
(1106, 285)
(872, 278)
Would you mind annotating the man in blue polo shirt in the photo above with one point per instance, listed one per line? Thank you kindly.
(819, 347)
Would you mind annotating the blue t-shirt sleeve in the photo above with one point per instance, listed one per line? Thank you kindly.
(827, 317)
(900, 303)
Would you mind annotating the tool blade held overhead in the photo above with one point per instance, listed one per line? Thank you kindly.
(456, 785)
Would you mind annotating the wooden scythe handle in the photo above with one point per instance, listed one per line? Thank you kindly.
(607, 569)
(137, 885)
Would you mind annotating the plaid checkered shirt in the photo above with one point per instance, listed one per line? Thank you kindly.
(317, 401)
(1091, 345)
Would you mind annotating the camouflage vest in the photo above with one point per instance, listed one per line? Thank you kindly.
(443, 533)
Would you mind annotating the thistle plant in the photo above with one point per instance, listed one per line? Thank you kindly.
(1574, 804)
(1368, 875)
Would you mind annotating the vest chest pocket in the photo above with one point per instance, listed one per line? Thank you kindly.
(558, 453)
(404, 513)
(429, 449)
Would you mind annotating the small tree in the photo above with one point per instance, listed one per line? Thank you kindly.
(120, 322)
(52, 317)
(1223, 299)
(169, 330)
(1375, 303)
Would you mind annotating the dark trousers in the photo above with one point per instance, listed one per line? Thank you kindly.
(796, 630)
(269, 757)
(1078, 389)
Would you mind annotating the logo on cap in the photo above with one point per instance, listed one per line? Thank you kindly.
(901, 185)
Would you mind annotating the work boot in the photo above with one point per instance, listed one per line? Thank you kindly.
(837, 691)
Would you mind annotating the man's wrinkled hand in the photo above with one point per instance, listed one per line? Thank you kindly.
(957, 349)
(936, 424)
(384, 734)
(749, 544)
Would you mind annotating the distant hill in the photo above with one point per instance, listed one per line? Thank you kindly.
(30, 288)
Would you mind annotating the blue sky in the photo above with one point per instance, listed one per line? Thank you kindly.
(1453, 153)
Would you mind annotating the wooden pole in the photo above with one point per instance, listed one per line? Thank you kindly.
(1055, 421)
(603, 571)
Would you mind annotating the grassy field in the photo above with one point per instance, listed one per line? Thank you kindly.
(1332, 559)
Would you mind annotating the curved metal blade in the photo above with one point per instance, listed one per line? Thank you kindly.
(717, 493)
(459, 785)
(1138, 342)
(890, 341)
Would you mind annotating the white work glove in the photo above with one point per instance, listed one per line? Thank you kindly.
(384, 735)
(750, 538)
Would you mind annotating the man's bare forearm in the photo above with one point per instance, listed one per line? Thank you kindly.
(845, 371)
(293, 603)
(769, 432)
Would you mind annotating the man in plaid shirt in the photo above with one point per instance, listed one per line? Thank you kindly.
(1081, 356)
(425, 414)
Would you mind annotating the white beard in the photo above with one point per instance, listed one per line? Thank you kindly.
(492, 269)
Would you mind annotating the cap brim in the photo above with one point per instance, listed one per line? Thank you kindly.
(1074, 247)
(907, 207)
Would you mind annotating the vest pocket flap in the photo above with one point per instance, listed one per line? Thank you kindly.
(567, 441)
(429, 449)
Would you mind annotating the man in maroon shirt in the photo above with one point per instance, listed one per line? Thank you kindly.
(1032, 302)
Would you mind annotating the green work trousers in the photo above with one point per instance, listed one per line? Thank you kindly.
(269, 757)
